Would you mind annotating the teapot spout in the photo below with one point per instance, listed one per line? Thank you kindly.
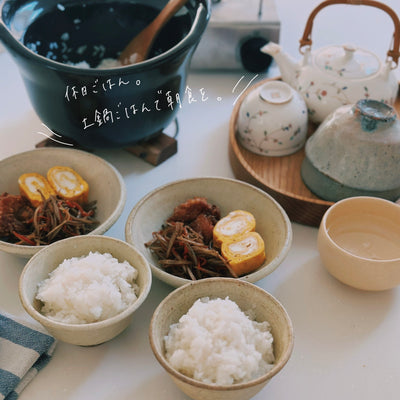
(287, 65)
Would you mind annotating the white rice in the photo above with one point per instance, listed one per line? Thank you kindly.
(217, 343)
(88, 289)
(105, 63)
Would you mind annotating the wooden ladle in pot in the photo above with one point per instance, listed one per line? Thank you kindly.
(138, 48)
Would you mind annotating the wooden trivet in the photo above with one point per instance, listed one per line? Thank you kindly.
(155, 150)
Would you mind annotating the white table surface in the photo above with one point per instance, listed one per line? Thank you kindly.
(346, 340)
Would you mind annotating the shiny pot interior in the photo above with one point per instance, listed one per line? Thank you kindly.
(112, 107)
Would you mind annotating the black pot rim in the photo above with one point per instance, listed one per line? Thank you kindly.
(200, 22)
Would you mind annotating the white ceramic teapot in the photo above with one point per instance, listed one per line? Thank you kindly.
(336, 75)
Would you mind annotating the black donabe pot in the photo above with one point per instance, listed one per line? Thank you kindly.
(98, 108)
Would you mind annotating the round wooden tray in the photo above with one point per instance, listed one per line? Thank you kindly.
(278, 176)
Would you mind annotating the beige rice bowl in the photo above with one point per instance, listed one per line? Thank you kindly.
(88, 289)
(215, 342)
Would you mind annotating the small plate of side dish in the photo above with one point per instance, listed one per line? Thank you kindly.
(221, 338)
(52, 193)
(205, 227)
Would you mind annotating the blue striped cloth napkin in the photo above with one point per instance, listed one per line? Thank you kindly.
(24, 350)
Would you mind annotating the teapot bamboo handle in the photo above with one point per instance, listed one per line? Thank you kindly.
(394, 52)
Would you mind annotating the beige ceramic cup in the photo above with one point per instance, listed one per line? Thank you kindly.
(359, 242)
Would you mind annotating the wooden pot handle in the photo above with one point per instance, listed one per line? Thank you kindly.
(394, 52)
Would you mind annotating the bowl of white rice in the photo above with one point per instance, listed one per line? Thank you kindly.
(84, 290)
(221, 338)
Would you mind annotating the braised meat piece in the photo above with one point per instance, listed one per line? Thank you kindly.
(15, 212)
(204, 224)
(188, 211)
(200, 215)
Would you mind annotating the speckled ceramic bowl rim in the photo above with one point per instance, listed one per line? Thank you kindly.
(94, 325)
(226, 281)
(252, 277)
(27, 251)
(340, 204)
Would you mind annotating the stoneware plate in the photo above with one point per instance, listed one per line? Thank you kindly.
(151, 211)
(105, 184)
